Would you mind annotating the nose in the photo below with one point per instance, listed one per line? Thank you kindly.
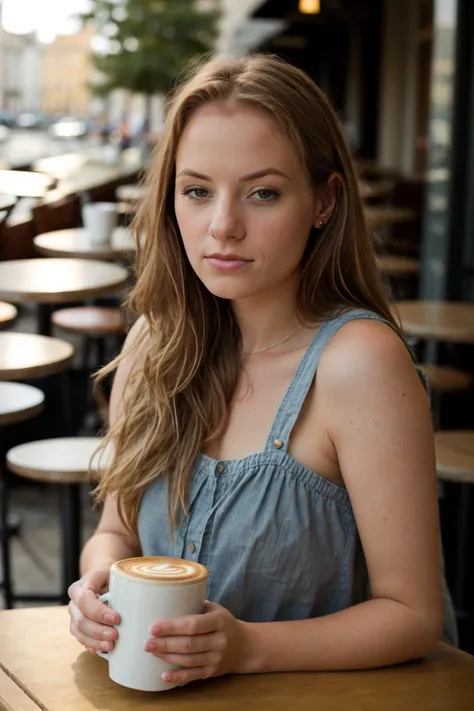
(226, 222)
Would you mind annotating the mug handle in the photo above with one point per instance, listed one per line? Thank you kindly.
(106, 597)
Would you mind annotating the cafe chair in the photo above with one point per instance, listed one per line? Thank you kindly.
(445, 380)
(95, 324)
(60, 215)
(455, 465)
(18, 402)
(64, 462)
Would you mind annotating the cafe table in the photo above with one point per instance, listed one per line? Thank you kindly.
(397, 266)
(448, 321)
(25, 184)
(55, 281)
(378, 217)
(43, 668)
(375, 190)
(131, 193)
(76, 242)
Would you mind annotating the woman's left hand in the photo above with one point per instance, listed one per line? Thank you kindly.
(211, 644)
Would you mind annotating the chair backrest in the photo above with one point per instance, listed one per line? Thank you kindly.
(61, 215)
(16, 240)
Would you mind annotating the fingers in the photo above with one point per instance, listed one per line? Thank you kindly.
(93, 636)
(184, 676)
(185, 644)
(189, 625)
(206, 659)
(84, 595)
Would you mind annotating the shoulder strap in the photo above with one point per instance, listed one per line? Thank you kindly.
(291, 405)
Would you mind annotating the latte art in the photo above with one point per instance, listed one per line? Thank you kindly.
(162, 569)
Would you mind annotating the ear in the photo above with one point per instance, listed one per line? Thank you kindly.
(325, 200)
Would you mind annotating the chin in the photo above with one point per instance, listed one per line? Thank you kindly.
(230, 289)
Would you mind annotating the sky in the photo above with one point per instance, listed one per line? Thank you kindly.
(47, 17)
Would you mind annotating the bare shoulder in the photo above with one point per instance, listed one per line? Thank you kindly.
(363, 351)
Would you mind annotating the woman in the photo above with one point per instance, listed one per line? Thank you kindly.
(312, 500)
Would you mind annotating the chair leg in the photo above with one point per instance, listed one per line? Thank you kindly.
(70, 500)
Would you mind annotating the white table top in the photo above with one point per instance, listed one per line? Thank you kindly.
(59, 280)
(19, 402)
(26, 355)
(77, 243)
(131, 193)
(64, 455)
(6, 201)
(25, 183)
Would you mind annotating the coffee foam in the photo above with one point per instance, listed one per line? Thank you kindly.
(162, 569)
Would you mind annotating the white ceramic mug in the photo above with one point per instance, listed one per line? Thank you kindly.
(100, 219)
(144, 591)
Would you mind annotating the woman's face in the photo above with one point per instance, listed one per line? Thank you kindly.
(243, 202)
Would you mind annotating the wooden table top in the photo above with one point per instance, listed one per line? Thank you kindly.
(385, 216)
(25, 184)
(26, 355)
(8, 313)
(441, 320)
(77, 243)
(455, 455)
(59, 280)
(394, 265)
(19, 402)
(54, 674)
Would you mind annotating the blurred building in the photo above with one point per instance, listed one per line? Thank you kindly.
(68, 74)
(21, 83)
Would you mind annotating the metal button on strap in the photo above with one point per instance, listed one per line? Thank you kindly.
(192, 548)
(220, 469)
(278, 443)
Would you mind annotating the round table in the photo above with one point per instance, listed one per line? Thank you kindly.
(398, 266)
(8, 314)
(26, 355)
(25, 184)
(452, 322)
(131, 193)
(77, 243)
(385, 216)
(52, 281)
(19, 402)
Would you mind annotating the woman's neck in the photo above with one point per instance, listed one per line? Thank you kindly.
(264, 321)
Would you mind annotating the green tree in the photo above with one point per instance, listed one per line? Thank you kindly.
(150, 42)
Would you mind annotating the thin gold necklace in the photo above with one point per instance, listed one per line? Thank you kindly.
(275, 345)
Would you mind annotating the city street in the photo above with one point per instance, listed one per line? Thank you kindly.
(25, 146)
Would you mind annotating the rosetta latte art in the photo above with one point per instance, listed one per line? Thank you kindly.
(163, 569)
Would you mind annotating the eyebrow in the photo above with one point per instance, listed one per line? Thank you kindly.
(246, 178)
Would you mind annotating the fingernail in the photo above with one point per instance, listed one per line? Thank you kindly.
(150, 647)
(166, 677)
(108, 634)
(105, 646)
(156, 631)
(110, 619)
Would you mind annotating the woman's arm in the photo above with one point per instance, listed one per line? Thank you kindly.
(111, 540)
(379, 422)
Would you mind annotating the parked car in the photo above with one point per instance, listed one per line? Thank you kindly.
(68, 127)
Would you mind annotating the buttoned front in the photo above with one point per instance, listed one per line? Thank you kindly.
(280, 541)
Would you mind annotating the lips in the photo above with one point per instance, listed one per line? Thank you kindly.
(227, 262)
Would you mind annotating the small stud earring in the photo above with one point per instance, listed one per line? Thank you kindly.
(321, 223)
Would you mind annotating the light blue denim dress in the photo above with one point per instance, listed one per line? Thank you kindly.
(280, 541)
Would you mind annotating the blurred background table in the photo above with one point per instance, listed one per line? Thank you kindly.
(26, 355)
(449, 321)
(131, 193)
(77, 243)
(25, 184)
(70, 678)
(8, 314)
(53, 281)
(394, 265)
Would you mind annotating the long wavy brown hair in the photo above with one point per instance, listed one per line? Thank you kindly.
(176, 401)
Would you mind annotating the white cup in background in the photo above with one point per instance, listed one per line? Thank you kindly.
(144, 591)
(100, 219)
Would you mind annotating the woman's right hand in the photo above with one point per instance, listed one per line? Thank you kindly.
(92, 622)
